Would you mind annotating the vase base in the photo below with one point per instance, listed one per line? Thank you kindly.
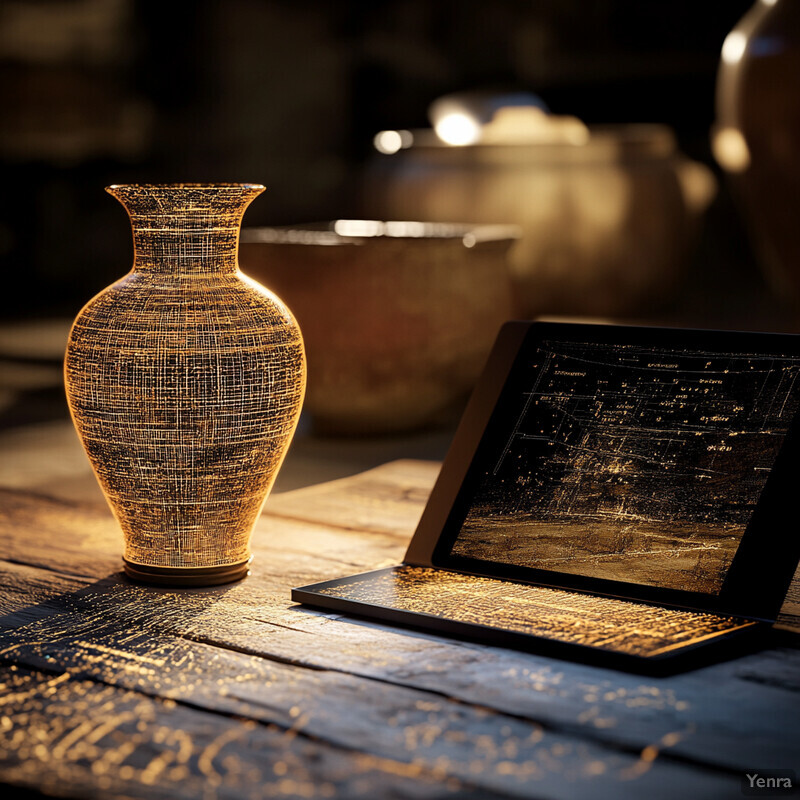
(187, 576)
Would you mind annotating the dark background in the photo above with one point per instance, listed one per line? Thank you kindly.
(290, 94)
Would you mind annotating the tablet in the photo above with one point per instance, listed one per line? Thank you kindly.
(611, 491)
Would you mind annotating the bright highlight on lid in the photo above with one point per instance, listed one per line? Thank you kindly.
(358, 227)
(733, 47)
(389, 142)
(371, 227)
(731, 150)
(457, 128)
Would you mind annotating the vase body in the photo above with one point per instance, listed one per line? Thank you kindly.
(756, 138)
(185, 381)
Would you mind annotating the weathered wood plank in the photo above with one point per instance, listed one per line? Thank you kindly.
(71, 538)
(25, 590)
(727, 716)
(389, 499)
(72, 737)
(84, 539)
(116, 634)
(690, 711)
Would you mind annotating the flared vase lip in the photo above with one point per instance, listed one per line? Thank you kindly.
(193, 203)
(253, 186)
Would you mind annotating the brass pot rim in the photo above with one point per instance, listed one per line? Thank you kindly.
(359, 232)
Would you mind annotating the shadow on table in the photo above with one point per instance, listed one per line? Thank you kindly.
(112, 620)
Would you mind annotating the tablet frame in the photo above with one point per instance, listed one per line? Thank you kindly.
(765, 561)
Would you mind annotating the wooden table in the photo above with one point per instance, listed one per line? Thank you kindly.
(111, 689)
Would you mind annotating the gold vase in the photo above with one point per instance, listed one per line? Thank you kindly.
(185, 380)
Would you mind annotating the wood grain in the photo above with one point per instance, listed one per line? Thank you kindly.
(348, 708)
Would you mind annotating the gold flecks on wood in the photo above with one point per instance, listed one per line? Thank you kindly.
(185, 380)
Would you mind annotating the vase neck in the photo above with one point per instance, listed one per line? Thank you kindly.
(186, 228)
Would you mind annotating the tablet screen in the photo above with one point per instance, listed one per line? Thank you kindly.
(628, 463)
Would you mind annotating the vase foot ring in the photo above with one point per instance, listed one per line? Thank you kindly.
(187, 576)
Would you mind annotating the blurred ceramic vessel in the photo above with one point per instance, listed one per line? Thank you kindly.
(607, 214)
(756, 138)
(397, 317)
(185, 381)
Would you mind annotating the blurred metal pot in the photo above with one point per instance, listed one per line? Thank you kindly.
(756, 138)
(397, 317)
(607, 214)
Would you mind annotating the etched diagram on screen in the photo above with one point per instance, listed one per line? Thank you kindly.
(633, 464)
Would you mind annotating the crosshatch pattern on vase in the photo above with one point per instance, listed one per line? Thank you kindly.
(185, 380)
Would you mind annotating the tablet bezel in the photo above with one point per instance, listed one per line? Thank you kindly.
(687, 655)
(759, 576)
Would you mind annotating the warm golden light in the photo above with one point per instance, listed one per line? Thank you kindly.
(733, 47)
(731, 150)
(389, 142)
(371, 227)
(457, 128)
(185, 381)
(358, 227)
(401, 228)
(524, 125)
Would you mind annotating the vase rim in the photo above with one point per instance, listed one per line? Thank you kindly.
(114, 186)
